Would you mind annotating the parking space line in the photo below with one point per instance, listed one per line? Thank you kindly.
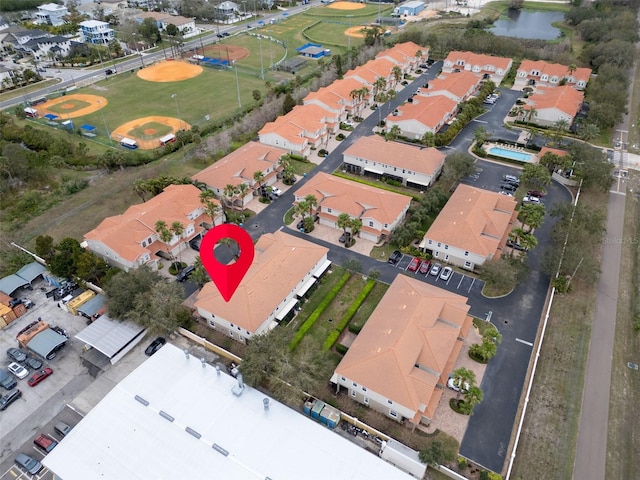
(461, 280)
(524, 341)
(473, 280)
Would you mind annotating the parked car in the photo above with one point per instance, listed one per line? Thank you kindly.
(6, 380)
(33, 363)
(17, 355)
(195, 243)
(18, 370)
(344, 237)
(395, 257)
(453, 385)
(515, 245)
(28, 303)
(184, 273)
(414, 265)
(62, 429)
(9, 398)
(535, 193)
(109, 71)
(435, 269)
(28, 464)
(60, 330)
(508, 187)
(507, 193)
(45, 442)
(511, 178)
(531, 200)
(424, 268)
(38, 377)
(154, 346)
(446, 273)
(276, 191)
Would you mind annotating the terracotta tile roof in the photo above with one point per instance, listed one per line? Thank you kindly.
(407, 49)
(372, 70)
(553, 70)
(238, 167)
(344, 87)
(486, 62)
(281, 261)
(409, 343)
(304, 121)
(565, 98)
(474, 220)
(125, 233)
(428, 110)
(459, 84)
(555, 151)
(358, 200)
(417, 159)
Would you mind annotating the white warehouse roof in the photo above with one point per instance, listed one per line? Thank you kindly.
(238, 438)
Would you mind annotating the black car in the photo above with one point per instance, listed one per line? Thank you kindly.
(7, 381)
(33, 363)
(62, 429)
(395, 257)
(508, 187)
(184, 273)
(154, 346)
(195, 243)
(516, 246)
(9, 398)
(17, 355)
(109, 71)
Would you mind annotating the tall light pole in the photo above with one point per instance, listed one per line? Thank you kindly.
(261, 60)
(105, 123)
(175, 97)
(138, 50)
(235, 67)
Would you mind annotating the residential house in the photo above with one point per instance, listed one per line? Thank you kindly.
(540, 73)
(369, 73)
(424, 115)
(163, 20)
(413, 166)
(227, 10)
(459, 87)
(129, 240)
(408, 55)
(238, 168)
(400, 361)
(46, 47)
(283, 270)
(302, 129)
(338, 98)
(553, 104)
(379, 210)
(96, 10)
(14, 36)
(96, 32)
(6, 77)
(51, 14)
(472, 228)
(485, 66)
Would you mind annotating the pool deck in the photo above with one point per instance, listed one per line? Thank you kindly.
(534, 157)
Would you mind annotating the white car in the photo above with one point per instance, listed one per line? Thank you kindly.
(446, 273)
(18, 370)
(276, 191)
(455, 387)
(435, 269)
(531, 200)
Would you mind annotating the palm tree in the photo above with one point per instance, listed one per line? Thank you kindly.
(230, 191)
(165, 236)
(243, 189)
(472, 398)
(588, 132)
(379, 85)
(514, 238)
(258, 177)
(481, 135)
(393, 133)
(528, 241)
(344, 222)
(428, 139)
(572, 68)
(461, 377)
(356, 226)
(312, 202)
(177, 229)
(531, 114)
(397, 75)
(531, 216)
(199, 275)
(140, 188)
(210, 208)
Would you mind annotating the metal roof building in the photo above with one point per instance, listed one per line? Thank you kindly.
(112, 338)
(177, 417)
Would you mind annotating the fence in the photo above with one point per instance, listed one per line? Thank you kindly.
(208, 345)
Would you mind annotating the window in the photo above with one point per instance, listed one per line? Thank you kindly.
(439, 244)
(446, 257)
(446, 247)
(430, 242)
(364, 389)
(466, 254)
(370, 223)
(366, 400)
(343, 379)
(355, 384)
(238, 328)
(436, 254)
(389, 402)
(353, 393)
(328, 210)
(144, 244)
(467, 264)
(393, 414)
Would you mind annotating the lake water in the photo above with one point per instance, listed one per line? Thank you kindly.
(524, 24)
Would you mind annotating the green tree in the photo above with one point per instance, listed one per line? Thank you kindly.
(393, 133)
(159, 309)
(230, 191)
(172, 30)
(123, 288)
(211, 208)
(472, 398)
(428, 139)
(165, 236)
(149, 31)
(62, 263)
(462, 377)
(90, 267)
(312, 202)
(588, 132)
(288, 103)
(531, 216)
(258, 177)
(535, 176)
(45, 247)
(344, 222)
(481, 135)
(458, 165)
(436, 454)
(199, 274)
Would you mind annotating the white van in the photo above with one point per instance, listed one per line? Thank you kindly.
(129, 143)
(168, 138)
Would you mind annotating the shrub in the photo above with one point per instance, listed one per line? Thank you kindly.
(348, 315)
(313, 318)
(355, 328)
(341, 349)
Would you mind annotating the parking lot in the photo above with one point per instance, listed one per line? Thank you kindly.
(458, 281)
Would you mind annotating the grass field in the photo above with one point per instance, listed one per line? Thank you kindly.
(623, 442)
(72, 104)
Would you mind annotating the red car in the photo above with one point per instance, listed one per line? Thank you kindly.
(535, 193)
(424, 268)
(414, 265)
(37, 377)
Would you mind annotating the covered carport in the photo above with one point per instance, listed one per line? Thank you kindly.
(94, 307)
(112, 339)
(47, 343)
(31, 271)
(11, 283)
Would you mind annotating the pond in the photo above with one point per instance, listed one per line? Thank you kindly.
(528, 24)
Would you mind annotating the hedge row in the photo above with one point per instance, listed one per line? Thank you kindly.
(380, 185)
(348, 315)
(309, 322)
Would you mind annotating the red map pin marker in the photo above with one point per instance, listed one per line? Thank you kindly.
(227, 277)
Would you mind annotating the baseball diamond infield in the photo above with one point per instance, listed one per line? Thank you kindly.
(346, 6)
(147, 130)
(227, 52)
(355, 32)
(169, 71)
(72, 106)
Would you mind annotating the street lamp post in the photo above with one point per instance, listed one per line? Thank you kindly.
(237, 84)
(138, 50)
(261, 60)
(105, 123)
(175, 97)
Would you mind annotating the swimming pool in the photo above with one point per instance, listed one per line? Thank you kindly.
(510, 154)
